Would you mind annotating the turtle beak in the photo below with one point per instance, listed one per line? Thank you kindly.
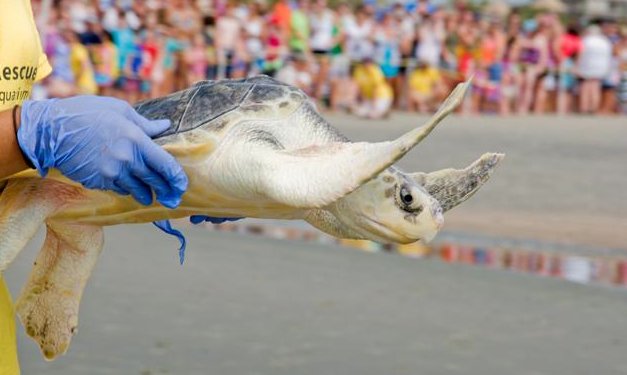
(437, 221)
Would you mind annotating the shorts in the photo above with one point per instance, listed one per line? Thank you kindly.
(607, 86)
(421, 95)
(495, 72)
(144, 86)
(232, 64)
(407, 64)
(320, 53)
(567, 81)
(390, 71)
(132, 84)
(120, 83)
(550, 82)
(340, 66)
(374, 108)
(103, 80)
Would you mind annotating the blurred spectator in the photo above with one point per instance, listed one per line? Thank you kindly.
(595, 62)
(425, 82)
(253, 30)
(106, 64)
(363, 58)
(229, 39)
(321, 42)
(299, 28)
(296, 72)
(374, 93)
(621, 52)
(568, 45)
(196, 60)
(81, 64)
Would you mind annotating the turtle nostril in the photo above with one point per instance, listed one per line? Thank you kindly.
(436, 213)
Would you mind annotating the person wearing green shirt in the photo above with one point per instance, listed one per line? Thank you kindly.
(299, 28)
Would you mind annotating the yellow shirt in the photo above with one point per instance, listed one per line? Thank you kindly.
(423, 80)
(371, 82)
(81, 66)
(22, 62)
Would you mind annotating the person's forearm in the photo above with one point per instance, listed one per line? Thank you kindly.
(11, 158)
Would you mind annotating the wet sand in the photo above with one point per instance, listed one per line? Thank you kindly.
(252, 305)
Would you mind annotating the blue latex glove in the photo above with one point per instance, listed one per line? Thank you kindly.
(197, 219)
(165, 226)
(103, 144)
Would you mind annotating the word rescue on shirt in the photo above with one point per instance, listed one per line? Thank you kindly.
(16, 73)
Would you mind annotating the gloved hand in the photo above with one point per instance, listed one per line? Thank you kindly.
(197, 219)
(101, 143)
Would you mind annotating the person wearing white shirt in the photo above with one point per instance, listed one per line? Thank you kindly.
(321, 42)
(593, 65)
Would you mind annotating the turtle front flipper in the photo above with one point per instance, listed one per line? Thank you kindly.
(49, 303)
(452, 186)
(256, 164)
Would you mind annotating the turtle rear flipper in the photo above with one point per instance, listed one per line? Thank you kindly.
(48, 305)
(24, 205)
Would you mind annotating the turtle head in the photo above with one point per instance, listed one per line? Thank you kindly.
(392, 207)
(403, 207)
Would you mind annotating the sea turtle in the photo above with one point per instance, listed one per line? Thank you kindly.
(254, 147)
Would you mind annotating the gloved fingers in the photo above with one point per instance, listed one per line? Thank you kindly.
(118, 189)
(168, 169)
(197, 219)
(150, 127)
(152, 179)
(139, 190)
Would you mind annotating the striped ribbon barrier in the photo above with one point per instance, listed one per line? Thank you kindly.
(608, 270)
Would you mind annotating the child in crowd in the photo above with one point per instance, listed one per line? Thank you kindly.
(622, 59)
(374, 92)
(276, 48)
(485, 88)
(132, 73)
(196, 60)
(81, 65)
(62, 82)
(424, 86)
(296, 72)
(106, 64)
(208, 34)
(568, 47)
(150, 55)
(152, 62)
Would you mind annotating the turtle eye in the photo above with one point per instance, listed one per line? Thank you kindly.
(406, 201)
(406, 196)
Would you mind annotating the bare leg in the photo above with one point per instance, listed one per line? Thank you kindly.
(540, 101)
(323, 71)
(583, 97)
(563, 101)
(608, 101)
(528, 85)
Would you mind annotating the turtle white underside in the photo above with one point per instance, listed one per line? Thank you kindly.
(266, 154)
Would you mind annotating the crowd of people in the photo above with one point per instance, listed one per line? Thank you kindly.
(365, 58)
